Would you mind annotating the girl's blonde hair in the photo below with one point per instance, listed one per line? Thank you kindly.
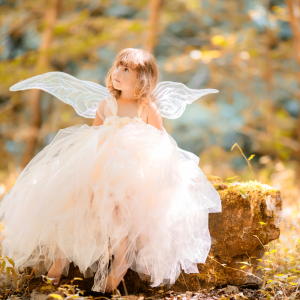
(144, 63)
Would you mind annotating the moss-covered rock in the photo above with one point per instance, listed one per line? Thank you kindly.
(250, 217)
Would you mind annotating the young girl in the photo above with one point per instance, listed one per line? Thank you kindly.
(121, 187)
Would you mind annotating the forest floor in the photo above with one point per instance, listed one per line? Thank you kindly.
(38, 288)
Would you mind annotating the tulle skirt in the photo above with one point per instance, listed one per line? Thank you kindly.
(94, 184)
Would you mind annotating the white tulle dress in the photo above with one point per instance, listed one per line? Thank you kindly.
(93, 186)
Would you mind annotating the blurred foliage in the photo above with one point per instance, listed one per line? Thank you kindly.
(244, 49)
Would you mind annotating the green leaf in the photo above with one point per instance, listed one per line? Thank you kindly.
(231, 178)
(13, 272)
(3, 265)
(77, 278)
(47, 287)
(243, 194)
(56, 296)
(11, 261)
(46, 278)
(251, 157)
(8, 271)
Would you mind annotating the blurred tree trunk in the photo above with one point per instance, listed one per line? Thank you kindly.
(43, 64)
(268, 77)
(293, 6)
(155, 7)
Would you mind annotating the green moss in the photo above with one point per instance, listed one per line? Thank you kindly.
(214, 179)
(255, 191)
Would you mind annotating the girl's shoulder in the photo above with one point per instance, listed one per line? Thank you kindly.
(153, 116)
(103, 106)
(152, 109)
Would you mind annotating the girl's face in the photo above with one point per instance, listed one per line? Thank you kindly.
(124, 78)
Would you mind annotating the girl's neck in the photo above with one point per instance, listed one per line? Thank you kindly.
(126, 98)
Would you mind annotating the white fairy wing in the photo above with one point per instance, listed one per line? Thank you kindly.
(171, 98)
(84, 96)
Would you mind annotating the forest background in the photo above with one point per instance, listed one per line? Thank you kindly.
(247, 49)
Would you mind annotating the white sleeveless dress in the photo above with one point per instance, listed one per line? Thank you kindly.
(92, 186)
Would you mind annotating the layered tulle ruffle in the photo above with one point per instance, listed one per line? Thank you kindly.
(91, 184)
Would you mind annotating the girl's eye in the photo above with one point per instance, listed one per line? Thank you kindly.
(126, 69)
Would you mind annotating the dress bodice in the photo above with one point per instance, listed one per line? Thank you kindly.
(116, 120)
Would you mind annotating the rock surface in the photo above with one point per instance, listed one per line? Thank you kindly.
(250, 218)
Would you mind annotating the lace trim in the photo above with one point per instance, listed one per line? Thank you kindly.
(122, 121)
(113, 106)
(100, 279)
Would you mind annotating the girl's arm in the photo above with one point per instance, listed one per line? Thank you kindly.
(154, 117)
(99, 118)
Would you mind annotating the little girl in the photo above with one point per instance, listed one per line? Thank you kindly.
(120, 187)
